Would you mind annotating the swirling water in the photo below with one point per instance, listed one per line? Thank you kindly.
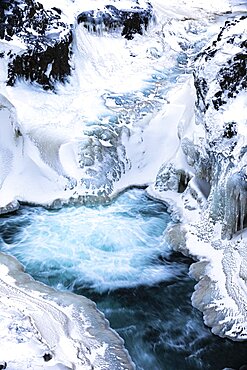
(116, 255)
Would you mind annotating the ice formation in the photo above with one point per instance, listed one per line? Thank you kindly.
(85, 112)
(42, 328)
(214, 179)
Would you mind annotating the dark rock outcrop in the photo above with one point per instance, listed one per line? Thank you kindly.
(231, 76)
(221, 83)
(3, 365)
(42, 66)
(132, 21)
(47, 39)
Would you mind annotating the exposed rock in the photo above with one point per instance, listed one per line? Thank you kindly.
(47, 357)
(217, 83)
(3, 365)
(132, 21)
(44, 67)
(220, 81)
(47, 40)
(10, 207)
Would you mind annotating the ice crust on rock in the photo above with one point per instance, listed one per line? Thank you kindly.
(20, 158)
(132, 19)
(221, 105)
(43, 328)
(212, 204)
(88, 162)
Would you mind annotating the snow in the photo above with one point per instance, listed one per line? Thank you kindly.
(61, 146)
(142, 146)
(101, 65)
(208, 215)
(39, 321)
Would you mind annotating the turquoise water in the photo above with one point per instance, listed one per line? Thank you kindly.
(117, 255)
(103, 247)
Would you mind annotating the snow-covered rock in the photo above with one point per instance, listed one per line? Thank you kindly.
(221, 83)
(132, 19)
(45, 38)
(46, 35)
(42, 328)
(209, 193)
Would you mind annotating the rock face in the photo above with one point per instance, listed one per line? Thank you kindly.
(210, 191)
(231, 73)
(221, 83)
(46, 39)
(44, 67)
(132, 21)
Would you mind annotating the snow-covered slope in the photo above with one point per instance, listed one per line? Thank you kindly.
(85, 99)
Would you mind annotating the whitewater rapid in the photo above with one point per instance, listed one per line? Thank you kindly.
(102, 248)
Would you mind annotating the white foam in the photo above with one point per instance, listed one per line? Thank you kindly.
(108, 247)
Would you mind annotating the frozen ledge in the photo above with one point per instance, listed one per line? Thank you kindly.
(10, 207)
(221, 272)
(42, 328)
(221, 291)
(204, 184)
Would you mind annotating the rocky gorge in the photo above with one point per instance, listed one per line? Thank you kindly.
(119, 94)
